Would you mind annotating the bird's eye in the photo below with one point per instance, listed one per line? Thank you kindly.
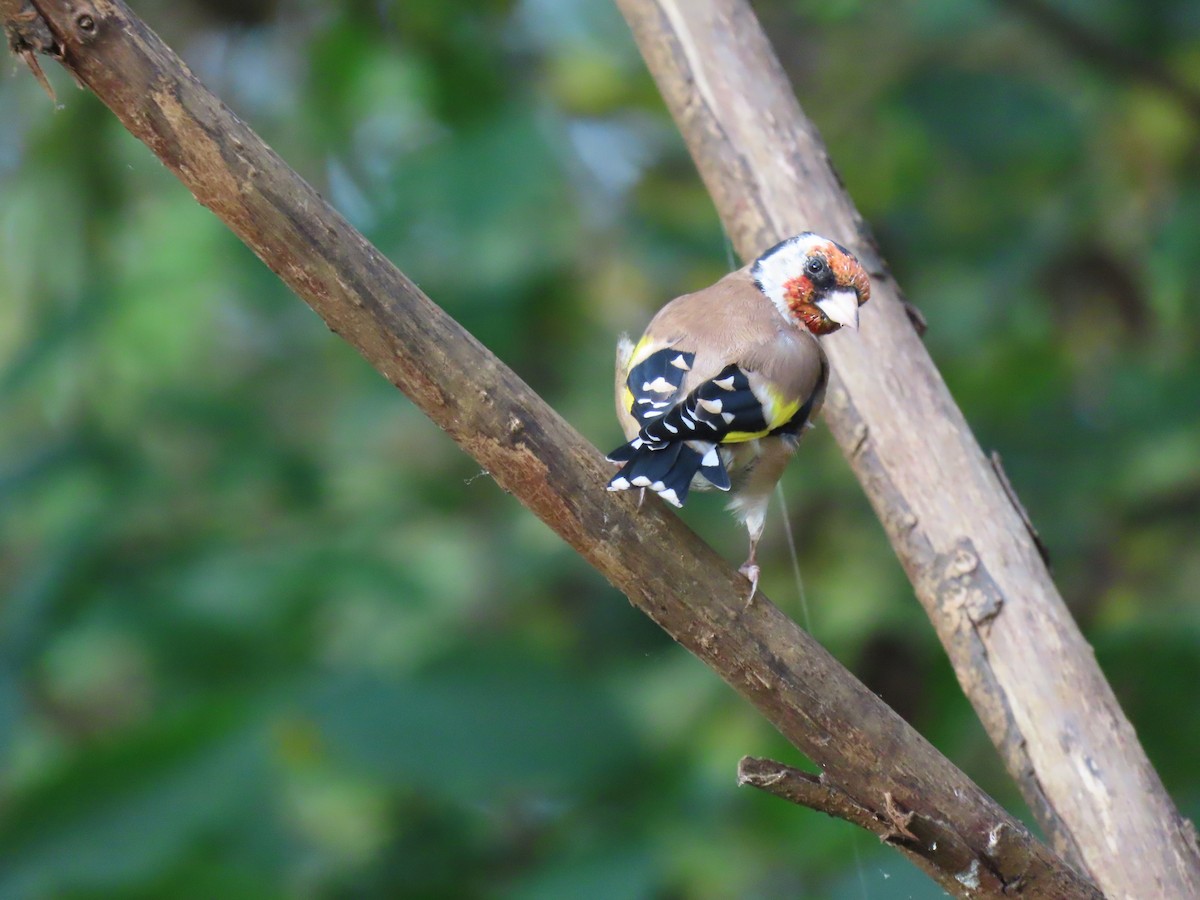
(815, 266)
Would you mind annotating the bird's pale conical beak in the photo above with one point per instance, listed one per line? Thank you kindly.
(841, 307)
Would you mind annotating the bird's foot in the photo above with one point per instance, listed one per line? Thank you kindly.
(750, 570)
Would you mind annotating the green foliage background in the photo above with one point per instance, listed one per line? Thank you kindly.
(265, 632)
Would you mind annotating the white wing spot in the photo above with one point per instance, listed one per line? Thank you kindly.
(618, 484)
(659, 385)
(671, 497)
(728, 417)
(680, 363)
(725, 384)
(671, 428)
(652, 413)
(711, 458)
(641, 481)
(712, 406)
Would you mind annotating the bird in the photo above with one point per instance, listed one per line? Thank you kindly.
(724, 381)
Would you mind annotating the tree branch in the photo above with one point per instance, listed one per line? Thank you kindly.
(28, 35)
(665, 570)
(977, 571)
(933, 845)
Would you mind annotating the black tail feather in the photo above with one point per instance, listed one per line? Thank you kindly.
(666, 470)
(712, 467)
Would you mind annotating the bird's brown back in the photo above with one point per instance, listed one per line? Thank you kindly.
(732, 321)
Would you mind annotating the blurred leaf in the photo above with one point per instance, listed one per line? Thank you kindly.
(996, 119)
(604, 872)
(530, 729)
(122, 812)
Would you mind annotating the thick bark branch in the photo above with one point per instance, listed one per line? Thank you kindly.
(864, 748)
(1018, 654)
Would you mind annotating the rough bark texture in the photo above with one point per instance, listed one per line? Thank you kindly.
(28, 35)
(863, 748)
(955, 868)
(1019, 656)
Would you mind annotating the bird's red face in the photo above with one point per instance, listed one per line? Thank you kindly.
(814, 282)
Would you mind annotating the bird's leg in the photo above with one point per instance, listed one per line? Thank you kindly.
(751, 507)
(750, 567)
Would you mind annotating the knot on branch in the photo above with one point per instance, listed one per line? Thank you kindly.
(966, 590)
(898, 819)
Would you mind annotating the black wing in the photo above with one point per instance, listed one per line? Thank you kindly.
(722, 406)
(656, 383)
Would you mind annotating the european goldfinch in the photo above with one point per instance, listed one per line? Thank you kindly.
(723, 383)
